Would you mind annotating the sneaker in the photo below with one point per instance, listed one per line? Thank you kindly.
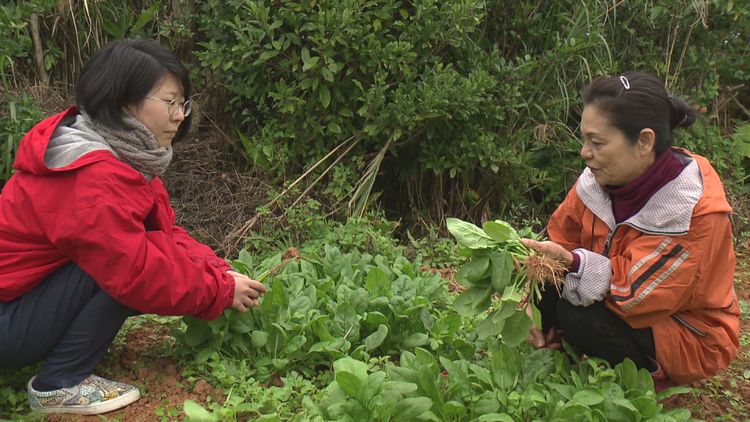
(92, 396)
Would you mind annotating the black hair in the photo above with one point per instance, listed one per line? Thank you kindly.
(635, 101)
(122, 73)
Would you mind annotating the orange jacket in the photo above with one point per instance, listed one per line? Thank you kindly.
(669, 267)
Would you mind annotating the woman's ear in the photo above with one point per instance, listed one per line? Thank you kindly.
(647, 141)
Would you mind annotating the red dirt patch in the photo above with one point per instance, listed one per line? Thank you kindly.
(143, 359)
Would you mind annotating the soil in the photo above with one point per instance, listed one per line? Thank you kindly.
(141, 357)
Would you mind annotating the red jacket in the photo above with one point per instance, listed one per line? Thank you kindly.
(110, 220)
(669, 267)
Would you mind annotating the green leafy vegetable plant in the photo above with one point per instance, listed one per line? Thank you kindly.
(500, 266)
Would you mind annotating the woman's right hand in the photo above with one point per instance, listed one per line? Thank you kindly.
(246, 292)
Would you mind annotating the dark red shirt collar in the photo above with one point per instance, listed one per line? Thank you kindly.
(628, 199)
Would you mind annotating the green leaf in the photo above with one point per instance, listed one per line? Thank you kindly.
(349, 382)
(334, 128)
(377, 282)
(410, 408)
(305, 55)
(473, 301)
(196, 412)
(495, 417)
(453, 409)
(240, 326)
(352, 366)
(468, 235)
(265, 56)
(474, 270)
(502, 270)
(486, 404)
(259, 338)
(491, 326)
(415, 340)
(376, 339)
(500, 231)
(672, 391)
(197, 331)
(588, 397)
(565, 390)
(516, 329)
(325, 96)
(628, 374)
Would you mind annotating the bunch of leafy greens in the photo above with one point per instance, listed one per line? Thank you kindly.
(503, 268)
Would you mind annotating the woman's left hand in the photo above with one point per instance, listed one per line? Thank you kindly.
(550, 250)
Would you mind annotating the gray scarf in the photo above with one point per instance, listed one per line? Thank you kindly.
(134, 145)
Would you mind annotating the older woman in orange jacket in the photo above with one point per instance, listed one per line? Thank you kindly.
(646, 234)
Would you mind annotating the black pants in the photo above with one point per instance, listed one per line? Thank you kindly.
(597, 331)
(67, 322)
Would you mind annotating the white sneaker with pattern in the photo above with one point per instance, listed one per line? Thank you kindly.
(92, 396)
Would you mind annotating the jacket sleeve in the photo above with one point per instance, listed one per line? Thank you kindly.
(149, 271)
(658, 274)
(590, 282)
(564, 227)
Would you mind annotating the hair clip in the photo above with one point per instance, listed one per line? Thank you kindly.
(625, 82)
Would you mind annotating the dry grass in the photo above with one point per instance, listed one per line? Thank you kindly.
(210, 192)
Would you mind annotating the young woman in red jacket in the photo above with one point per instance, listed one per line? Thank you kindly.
(646, 234)
(88, 236)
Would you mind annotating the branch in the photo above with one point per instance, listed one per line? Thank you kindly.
(38, 49)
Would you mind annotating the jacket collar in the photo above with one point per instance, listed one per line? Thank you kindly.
(669, 210)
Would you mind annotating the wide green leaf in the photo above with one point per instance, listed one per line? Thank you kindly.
(197, 331)
(410, 408)
(376, 339)
(352, 366)
(377, 282)
(349, 382)
(468, 235)
(474, 271)
(501, 270)
(588, 397)
(416, 340)
(516, 329)
(500, 231)
(473, 301)
(259, 338)
(196, 412)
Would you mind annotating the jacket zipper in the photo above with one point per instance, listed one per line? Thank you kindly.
(608, 241)
(688, 326)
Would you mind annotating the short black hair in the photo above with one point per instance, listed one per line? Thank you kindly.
(122, 73)
(634, 101)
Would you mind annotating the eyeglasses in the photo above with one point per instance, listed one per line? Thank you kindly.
(173, 105)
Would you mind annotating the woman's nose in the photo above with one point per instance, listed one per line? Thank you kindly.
(178, 115)
(585, 152)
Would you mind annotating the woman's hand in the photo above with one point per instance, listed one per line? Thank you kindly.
(246, 291)
(551, 340)
(550, 250)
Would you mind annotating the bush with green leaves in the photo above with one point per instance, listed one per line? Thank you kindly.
(21, 114)
(463, 105)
